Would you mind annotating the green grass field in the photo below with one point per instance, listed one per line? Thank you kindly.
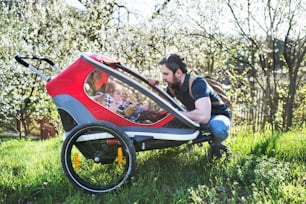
(264, 169)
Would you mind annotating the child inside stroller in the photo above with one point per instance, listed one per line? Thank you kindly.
(109, 112)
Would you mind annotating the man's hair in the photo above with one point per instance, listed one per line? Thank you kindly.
(174, 62)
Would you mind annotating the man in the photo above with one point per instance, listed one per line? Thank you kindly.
(203, 104)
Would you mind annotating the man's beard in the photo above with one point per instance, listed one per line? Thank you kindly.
(176, 82)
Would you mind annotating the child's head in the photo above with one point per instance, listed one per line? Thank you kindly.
(145, 106)
(114, 90)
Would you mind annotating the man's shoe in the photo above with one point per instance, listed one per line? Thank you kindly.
(216, 150)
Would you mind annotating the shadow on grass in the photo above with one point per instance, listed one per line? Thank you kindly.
(8, 137)
(267, 146)
(177, 168)
(5, 137)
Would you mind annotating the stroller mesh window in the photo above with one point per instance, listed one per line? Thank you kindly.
(121, 99)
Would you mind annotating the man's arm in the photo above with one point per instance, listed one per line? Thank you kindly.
(202, 111)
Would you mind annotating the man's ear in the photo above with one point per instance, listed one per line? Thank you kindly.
(178, 73)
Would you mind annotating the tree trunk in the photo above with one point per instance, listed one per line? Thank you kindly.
(291, 97)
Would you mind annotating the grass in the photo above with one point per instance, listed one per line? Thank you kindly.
(264, 169)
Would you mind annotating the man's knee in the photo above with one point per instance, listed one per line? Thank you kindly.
(219, 127)
(220, 134)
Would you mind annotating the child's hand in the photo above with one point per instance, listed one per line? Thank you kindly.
(129, 111)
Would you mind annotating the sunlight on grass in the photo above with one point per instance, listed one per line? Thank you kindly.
(292, 146)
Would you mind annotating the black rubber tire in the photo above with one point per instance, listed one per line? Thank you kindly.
(96, 165)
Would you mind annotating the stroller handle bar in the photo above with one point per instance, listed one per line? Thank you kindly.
(20, 59)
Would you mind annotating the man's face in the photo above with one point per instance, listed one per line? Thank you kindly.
(168, 76)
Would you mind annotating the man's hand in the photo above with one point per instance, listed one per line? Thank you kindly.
(153, 82)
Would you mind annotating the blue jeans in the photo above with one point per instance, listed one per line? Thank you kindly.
(219, 126)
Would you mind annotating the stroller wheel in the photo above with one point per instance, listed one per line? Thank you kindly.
(98, 157)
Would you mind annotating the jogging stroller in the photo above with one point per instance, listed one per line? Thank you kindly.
(100, 144)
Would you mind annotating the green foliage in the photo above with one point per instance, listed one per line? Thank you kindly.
(264, 169)
(47, 28)
(253, 68)
(300, 106)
